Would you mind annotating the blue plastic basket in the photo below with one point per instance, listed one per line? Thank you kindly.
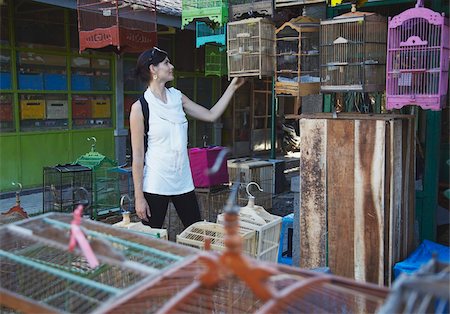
(5, 80)
(31, 81)
(81, 82)
(55, 81)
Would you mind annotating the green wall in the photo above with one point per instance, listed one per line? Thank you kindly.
(23, 156)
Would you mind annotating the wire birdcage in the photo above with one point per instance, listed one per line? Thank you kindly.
(418, 59)
(105, 182)
(209, 11)
(66, 186)
(353, 53)
(215, 60)
(240, 9)
(251, 48)
(38, 270)
(123, 26)
(205, 34)
(297, 59)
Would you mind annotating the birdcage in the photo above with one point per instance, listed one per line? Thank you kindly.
(105, 182)
(66, 186)
(205, 34)
(297, 57)
(266, 226)
(418, 59)
(228, 282)
(196, 234)
(215, 60)
(246, 170)
(40, 275)
(353, 53)
(210, 11)
(121, 26)
(251, 48)
(288, 3)
(244, 8)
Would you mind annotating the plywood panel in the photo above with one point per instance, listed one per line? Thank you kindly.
(340, 174)
(313, 193)
(369, 200)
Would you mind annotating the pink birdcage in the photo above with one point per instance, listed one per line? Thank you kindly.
(418, 59)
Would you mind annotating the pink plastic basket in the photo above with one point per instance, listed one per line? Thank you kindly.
(202, 159)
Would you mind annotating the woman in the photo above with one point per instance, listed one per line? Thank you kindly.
(164, 173)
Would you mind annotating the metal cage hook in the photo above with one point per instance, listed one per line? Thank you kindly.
(248, 190)
(20, 187)
(92, 138)
(122, 202)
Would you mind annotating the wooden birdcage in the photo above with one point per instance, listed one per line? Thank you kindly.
(215, 60)
(243, 8)
(121, 26)
(205, 34)
(210, 11)
(353, 53)
(418, 59)
(298, 57)
(251, 48)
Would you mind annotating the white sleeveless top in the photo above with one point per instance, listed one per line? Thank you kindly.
(167, 170)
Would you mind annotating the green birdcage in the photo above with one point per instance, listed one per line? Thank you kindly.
(210, 11)
(105, 182)
(215, 60)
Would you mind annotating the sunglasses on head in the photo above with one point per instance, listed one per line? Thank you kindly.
(152, 54)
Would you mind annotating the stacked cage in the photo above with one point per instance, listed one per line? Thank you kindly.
(267, 228)
(65, 187)
(246, 170)
(242, 8)
(210, 11)
(105, 183)
(251, 48)
(124, 26)
(353, 53)
(418, 59)
(205, 34)
(39, 274)
(196, 234)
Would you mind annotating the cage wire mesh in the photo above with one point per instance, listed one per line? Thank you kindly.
(353, 53)
(251, 48)
(232, 295)
(66, 186)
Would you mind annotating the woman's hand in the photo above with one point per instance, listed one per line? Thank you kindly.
(142, 209)
(238, 82)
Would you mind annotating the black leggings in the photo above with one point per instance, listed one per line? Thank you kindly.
(185, 204)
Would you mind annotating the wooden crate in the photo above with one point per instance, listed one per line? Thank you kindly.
(357, 193)
(101, 108)
(241, 8)
(297, 57)
(251, 48)
(57, 109)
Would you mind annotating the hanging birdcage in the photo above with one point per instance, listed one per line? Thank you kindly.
(418, 59)
(121, 26)
(215, 60)
(353, 53)
(205, 34)
(210, 11)
(105, 182)
(245, 8)
(298, 57)
(251, 47)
